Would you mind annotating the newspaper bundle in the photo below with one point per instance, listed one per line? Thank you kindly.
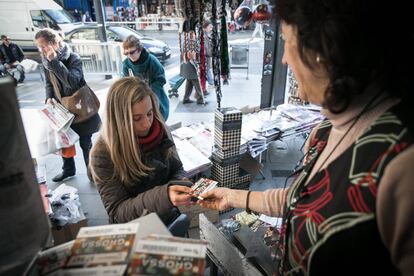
(57, 116)
(165, 255)
(105, 247)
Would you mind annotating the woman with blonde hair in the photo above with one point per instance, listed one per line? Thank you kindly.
(134, 162)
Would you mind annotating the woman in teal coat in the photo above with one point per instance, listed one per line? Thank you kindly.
(142, 64)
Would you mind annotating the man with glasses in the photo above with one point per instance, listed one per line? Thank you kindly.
(142, 64)
(10, 57)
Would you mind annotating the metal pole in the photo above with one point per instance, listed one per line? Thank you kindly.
(100, 20)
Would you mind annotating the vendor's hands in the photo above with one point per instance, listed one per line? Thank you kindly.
(218, 198)
(179, 195)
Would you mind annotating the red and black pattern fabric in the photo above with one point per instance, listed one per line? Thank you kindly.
(330, 225)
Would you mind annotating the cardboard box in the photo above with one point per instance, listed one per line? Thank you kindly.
(67, 232)
(194, 210)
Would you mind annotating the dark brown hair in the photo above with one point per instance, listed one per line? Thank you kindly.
(358, 41)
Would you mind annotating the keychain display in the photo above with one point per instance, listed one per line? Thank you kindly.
(216, 53)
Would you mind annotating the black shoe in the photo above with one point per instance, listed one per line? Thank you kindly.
(225, 82)
(187, 101)
(63, 175)
(206, 93)
(201, 102)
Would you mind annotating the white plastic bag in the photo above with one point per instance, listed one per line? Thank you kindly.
(65, 205)
(29, 65)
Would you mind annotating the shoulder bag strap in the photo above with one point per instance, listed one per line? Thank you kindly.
(55, 85)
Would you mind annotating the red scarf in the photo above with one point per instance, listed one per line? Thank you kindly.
(153, 138)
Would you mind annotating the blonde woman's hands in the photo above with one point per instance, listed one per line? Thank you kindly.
(179, 195)
(218, 198)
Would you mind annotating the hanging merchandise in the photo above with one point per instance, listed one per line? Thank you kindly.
(225, 63)
(215, 53)
(189, 16)
(202, 68)
(243, 14)
(262, 12)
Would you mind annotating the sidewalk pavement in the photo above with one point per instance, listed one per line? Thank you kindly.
(239, 93)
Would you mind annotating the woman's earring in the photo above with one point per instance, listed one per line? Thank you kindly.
(318, 59)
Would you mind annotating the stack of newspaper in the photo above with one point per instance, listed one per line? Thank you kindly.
(165, 255)
(97, 250)
(57, 116)
(59, 135)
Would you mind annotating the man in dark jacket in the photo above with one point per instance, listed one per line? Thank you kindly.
(10, 57)
(66, 67)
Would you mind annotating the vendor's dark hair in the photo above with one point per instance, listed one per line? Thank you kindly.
(359, 42)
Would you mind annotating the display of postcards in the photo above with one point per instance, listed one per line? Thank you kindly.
(165, 255)
(228, 114)
(203, 185)
(53, 259)
(103, 245)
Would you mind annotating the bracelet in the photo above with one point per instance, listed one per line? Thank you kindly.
(247, 203)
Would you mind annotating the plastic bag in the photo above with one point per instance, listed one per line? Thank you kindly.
(65, 205)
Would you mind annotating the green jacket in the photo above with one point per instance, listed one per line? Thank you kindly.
(149, 69)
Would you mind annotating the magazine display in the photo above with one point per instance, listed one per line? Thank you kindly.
(57, 116)
(103, 246)
(203, 185)
(165, 255)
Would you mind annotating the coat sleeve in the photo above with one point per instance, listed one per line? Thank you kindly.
(20, 53)
(157, 75)
(49, 87)
(119, 204)
(177, 170)
(71, 76)
(395, 208)
(125, 69)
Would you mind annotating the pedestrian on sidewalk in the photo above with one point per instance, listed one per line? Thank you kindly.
(134, 162)
(207, 27)
(147, 67)
(189, 71)
(10, 57)
(65, 66)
